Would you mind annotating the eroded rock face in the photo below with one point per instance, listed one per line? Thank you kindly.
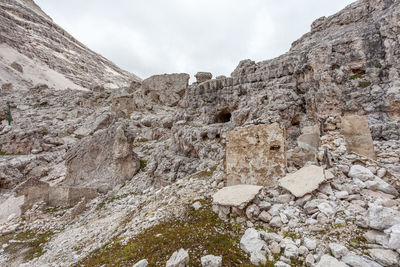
(203, 76)
(102, 160)
(167, 89)
(358, 135)
(255, 155)
(55, 57)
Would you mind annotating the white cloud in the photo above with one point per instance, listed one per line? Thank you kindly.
(148, 37)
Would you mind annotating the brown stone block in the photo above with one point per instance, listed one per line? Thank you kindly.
(255, 155)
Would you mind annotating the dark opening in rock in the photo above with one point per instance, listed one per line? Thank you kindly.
(223, 116)
(275, 147)
(358, 71)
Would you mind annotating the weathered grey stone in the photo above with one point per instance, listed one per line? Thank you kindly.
(358, 261)
(203, 76)
(167, 89)
(102, 160)
(360, 172)
(264, 216)
(304, 181)
(142, 263)
(11, 205)
(329, 261)
(236, 195)
(291, 251)
(252, 244)
(310, 243)
(385, 257)
(255, 155)
(394, 239)
(338, 250)
(179, 258)
(123, 105)
(381, 218)
(211, 261)
(358, 135)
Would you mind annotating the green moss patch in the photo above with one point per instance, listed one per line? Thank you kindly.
(143, 164)
(28, 244)
(205, 174)
(201, 232)
(358, 76)
(364, 84)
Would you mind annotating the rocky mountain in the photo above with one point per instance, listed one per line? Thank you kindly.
(34, 50)
(293, 161)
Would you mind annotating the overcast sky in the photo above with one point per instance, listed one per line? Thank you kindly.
(148, 37)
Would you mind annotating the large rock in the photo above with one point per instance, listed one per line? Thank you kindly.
(358, 135)
(179, 258)
(329, 261)
(354, 260)
(360, 172)
(102, 160)
(236, 195)
(381, 218)
(167, 89)
(11, 206)
(386, 257)
(203, 76)
(255, 155)
(394, 239)
(304, 181)
(253, 245)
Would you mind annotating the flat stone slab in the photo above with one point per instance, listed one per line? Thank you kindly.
(236, 195)
(304, 181)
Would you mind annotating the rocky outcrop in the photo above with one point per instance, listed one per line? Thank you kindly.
(167, 89)
(102, 160)
(55, 55)
(345, 65)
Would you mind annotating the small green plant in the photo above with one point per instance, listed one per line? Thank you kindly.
(57, 209)
(364, 84)
(337, 225)
(357, 76)
(9, 115)
(143, 140)
(2, 153)
(290, 235)
(143, 164)
(378, 65)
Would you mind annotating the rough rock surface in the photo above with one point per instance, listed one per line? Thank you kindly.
(103, 160)
(303, 181)
(358, 135)
(52, 57)
(346, 65)
(180, 258)
(255, 155)
(167, 89)
(236, 195)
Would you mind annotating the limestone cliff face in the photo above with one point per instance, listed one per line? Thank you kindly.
(347, 64)
(29, 38)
